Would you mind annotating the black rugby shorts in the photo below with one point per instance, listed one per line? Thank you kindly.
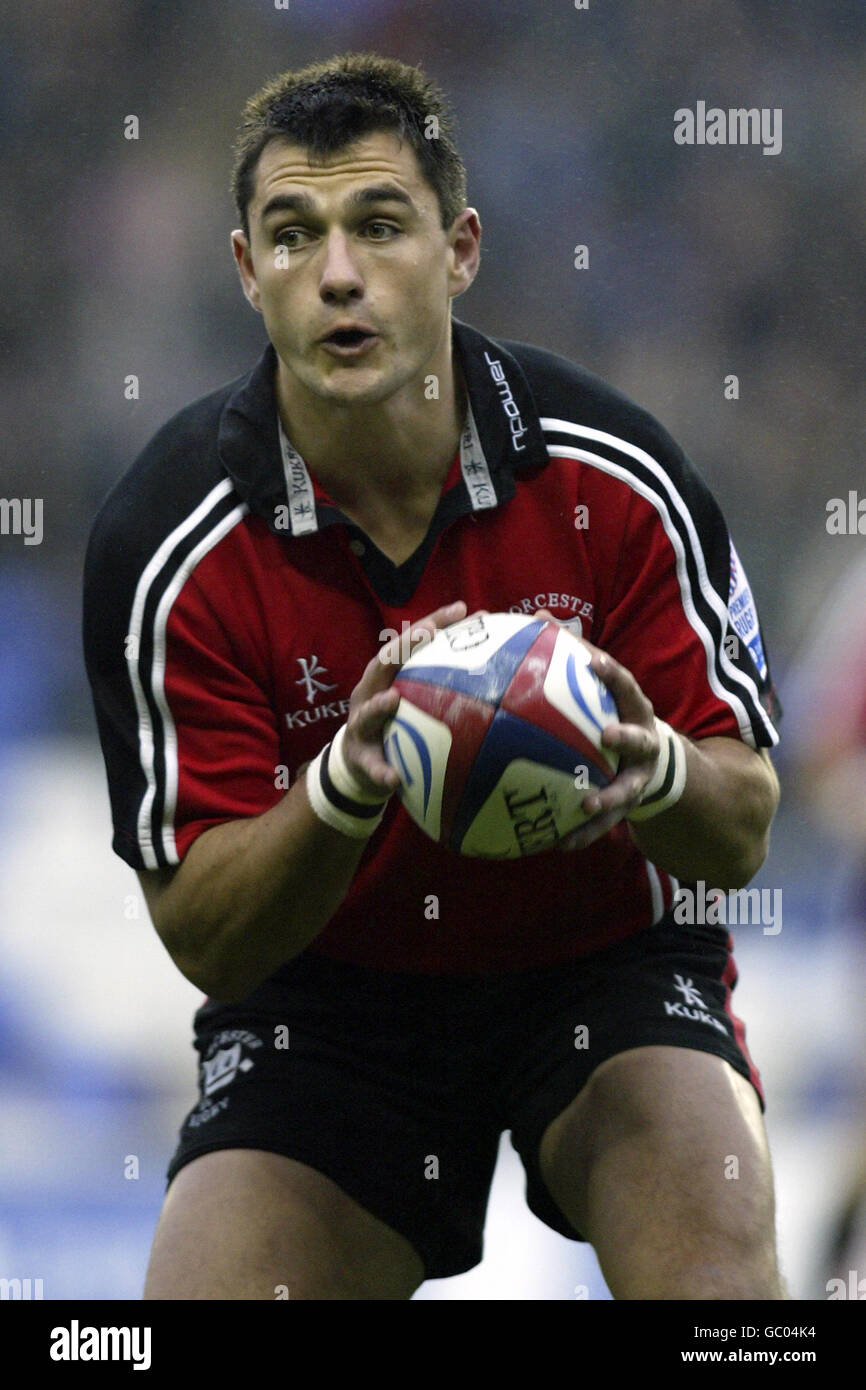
(398, 1086)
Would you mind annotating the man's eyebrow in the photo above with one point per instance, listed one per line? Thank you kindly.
(380, 193)
(362, 197)
(287, 202)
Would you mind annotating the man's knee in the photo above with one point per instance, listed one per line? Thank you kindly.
(245, 1224)
(697, 1263)
(662, 1163)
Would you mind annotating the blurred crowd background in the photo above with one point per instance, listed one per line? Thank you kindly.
(703, 262)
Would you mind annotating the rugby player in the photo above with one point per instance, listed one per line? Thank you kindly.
(380, 1010)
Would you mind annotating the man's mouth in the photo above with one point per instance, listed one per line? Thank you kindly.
(349, 342)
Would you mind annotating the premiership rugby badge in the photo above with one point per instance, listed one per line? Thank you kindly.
(743, 614)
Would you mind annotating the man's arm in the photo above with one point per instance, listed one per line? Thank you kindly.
(251, 894)
(719, 830)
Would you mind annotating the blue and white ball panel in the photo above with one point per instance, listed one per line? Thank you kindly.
(573, 689)
(417, 747)
(477, 657)
(521, 768)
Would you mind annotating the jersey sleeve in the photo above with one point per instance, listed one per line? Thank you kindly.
(189, 735)
(681, 615)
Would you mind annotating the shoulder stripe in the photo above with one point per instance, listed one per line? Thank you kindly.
(169, 732)
(654, 484)
(161, 581)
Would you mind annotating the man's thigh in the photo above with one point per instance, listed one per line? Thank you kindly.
(662, 1163)
(245, 1224)
(363, 1078)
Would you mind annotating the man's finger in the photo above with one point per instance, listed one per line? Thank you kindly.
(633, 705)
(451, 613)
(398, 650)
(622, 794)
(591, 831)
(372, 716)
(634, 742)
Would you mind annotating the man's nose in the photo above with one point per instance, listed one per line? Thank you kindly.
(341, 275)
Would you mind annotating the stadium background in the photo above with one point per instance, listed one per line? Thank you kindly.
(702, 262)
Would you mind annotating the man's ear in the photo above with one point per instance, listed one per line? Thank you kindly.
(244, 260)
(465, 240)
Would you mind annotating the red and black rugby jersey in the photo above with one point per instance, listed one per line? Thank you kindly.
(230, 609)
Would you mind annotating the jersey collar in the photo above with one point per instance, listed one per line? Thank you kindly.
(501, 437)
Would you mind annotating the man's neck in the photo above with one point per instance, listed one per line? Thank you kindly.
(401, 447)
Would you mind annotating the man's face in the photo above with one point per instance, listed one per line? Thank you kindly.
(355, 241)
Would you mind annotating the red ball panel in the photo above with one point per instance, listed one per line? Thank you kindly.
(524, 696)
(468, 721)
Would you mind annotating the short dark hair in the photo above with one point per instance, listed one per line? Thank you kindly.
(327, 106)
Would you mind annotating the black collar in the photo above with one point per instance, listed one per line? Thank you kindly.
(500, 400)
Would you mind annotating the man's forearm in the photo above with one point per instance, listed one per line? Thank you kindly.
(251, 894)
(719, 830)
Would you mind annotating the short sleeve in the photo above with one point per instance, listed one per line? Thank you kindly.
(189, 734)
(681, 616)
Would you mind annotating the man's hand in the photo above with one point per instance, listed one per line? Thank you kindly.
(718, 830)
(374, 701)
(633, 737)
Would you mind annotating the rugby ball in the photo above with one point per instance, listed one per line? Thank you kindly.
(497, 736)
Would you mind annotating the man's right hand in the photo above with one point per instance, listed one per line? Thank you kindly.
(374, 701)
(250, 894)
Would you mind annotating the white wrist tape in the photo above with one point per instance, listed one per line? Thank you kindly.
(338, 798)
(667, 783)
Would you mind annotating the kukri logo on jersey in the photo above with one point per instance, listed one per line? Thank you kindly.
(310, 678)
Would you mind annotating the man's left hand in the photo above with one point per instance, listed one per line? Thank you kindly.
(633, 737)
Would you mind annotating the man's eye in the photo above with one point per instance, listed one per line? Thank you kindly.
(380, 231)
(290, 236)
